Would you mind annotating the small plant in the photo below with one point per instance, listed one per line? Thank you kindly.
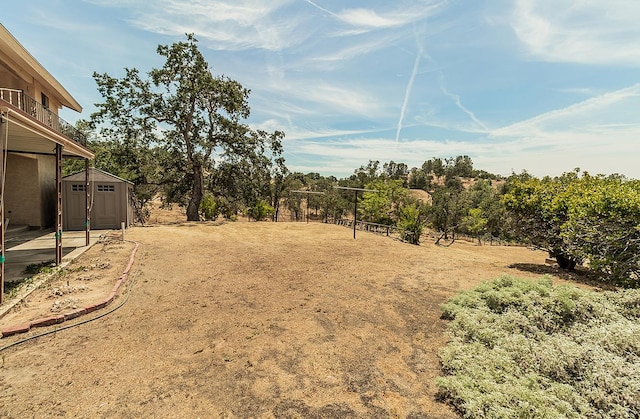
(37, 268)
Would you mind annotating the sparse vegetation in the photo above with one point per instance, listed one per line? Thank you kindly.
(523, 348)
(11, 289)
(37, 268)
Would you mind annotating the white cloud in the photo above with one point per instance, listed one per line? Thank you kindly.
(224, 25)
(599, 134)
(318, 98)
(365, 17)
(296, 133)
(362, 20)
(588, 32)
(339, 54)
(403, 15)
(582, 116)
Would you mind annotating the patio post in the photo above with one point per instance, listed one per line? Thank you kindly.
(58, 204)
(4, 126)
(87, 203)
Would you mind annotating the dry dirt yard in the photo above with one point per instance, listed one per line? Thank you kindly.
(255, 320)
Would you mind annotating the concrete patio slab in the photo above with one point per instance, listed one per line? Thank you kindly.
(31, 247)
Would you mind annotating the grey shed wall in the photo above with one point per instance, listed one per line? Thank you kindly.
(112, 201)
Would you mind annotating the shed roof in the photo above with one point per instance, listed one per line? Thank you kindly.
(95, 175)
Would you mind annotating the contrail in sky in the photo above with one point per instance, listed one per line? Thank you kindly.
(416, 66)
(320, 7)
(460, 106)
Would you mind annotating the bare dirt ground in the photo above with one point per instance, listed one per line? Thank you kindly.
(254, 320)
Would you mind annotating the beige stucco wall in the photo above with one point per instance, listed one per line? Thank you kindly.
(23, 198)
(9, 80)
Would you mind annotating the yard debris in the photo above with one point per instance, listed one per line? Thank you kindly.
(67, 303)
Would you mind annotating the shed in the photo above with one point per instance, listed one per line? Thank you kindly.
(111, 200)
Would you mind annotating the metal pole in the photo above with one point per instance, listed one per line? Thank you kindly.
(355, 203)
(355, 213)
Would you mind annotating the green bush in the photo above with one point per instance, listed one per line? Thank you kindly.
(411, 223)
(578, 217)
(260, 210)
(524, 348)
(209, 207)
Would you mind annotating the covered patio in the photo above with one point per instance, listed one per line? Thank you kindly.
(41, 137)
(27, 247)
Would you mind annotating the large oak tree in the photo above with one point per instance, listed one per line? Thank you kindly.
(195, 116)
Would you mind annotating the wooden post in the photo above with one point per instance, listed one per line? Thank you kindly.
(3, 139)
(87, 203)
(58, 204)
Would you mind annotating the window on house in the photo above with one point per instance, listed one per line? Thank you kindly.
(78, 187)
(44, 100)
(106, 188)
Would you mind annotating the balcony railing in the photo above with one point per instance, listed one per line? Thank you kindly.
(34, 108)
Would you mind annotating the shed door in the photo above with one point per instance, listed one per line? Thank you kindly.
(74, 209)
(106, 206)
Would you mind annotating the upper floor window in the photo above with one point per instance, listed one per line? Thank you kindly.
(44, 100)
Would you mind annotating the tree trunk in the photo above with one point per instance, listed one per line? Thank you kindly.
(565, 262)
(193, 208)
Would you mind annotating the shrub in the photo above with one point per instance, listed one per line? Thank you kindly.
(209, 207)
(411, 223)
(582, 218)
(260, 210)
(524, 348)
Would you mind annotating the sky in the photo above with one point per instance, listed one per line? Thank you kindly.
(537, 85)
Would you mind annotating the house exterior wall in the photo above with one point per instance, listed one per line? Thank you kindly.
(23, 200)
(31, 190)
(9, 79)
(30, 187)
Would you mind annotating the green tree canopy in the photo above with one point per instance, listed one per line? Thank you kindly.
(382, 207)
(194, 116)
(582, 217)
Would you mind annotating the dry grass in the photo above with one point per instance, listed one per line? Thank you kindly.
(263, 320)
